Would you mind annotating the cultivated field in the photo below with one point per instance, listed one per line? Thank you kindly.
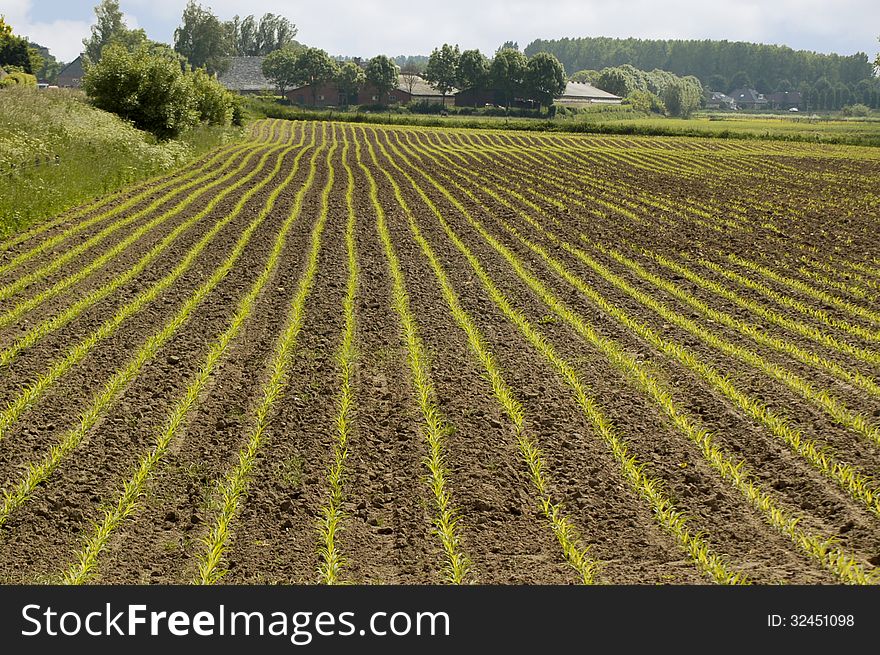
(347, 353)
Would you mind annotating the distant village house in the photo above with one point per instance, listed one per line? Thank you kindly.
(71, 75)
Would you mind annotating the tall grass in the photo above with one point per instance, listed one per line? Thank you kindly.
(97, 153)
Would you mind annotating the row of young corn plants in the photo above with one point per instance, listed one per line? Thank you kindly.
(332, 515)
(787, 301)
(142, 190)
(194, 178)
(76, 252)
(128, 501)
(543, 196)
(609, 165)
(63, 317)
(756, 333)
(650, 489)
(15, 313)
(807, 263)
(601, 192)
(731, 208)
(857, 290)
(434, 428)
(733, 470)
(38, 473)
(867, 355)
(561, 525)
(858, 484)
(232, 489)
(827, 298)
(35, 389)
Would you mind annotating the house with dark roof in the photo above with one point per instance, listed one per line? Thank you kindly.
(71, 75)
(244, 75)
(327, 95)
(718, 100)
(749, 99)
(785, 100)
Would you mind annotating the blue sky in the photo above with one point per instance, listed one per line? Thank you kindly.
(369, 27)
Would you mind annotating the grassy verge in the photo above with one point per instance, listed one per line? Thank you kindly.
(735, 126)
(57, 152)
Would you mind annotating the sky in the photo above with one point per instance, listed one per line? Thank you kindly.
(368, 27)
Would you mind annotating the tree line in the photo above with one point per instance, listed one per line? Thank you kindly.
(715, 63)
(540, 78)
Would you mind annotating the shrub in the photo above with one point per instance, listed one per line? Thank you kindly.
(646, 102)
(150, 90)
(213, 102)
(857, 109)
(18, 79)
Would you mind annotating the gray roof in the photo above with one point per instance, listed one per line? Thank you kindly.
(575, 90)
(245, 74)
(748, 95)
(73, 69)
(422, 88)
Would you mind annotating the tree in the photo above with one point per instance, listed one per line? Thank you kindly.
(110, 28)
(382, 73)
(279, 67)
(49, 67)
(585, 76)
(203, 39)
(507, 73)
(544, 78)
(783, 85)
(252, 39)
(15, 54)
(473, 70)
(148, 89)
(622, 80)
(442, 69)
(717, 82)
(508, 45)
(314, 67)
(409, 75)
(740, 80)
(683, 96)
(350, 80)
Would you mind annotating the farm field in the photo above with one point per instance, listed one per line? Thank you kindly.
(343, 353)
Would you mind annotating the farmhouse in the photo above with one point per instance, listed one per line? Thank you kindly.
(784, 100)
(71, 75)
(579, 95)
(328, 95)
(718, 100)
(749, 99)
(245, 76)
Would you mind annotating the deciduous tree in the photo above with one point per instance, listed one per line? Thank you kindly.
(110, 28)
(507, 73)
(279, 67)
(203, 39)
(544, 78)
(473, 70)
(442, 69)
(383, 74)
(350, 79)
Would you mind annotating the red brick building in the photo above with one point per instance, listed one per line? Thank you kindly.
(327, 95)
